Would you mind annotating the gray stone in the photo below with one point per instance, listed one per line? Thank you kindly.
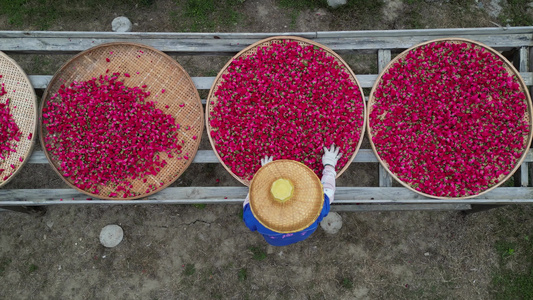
(111, 236)
(494, 8)
(336, 3)
(121, 24)
(332, 223)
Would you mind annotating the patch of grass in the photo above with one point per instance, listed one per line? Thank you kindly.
(38, 12)
(32, 268)
(505, 249)
(243, 274)
(241, 214)
(347, 283)
(513, 286)
(413, 13)
(366, 12)
(514, 248)
(294, 17)
(199, 11)
(200, 206)
(211, 73)
(146, 3)
(189, 270)
(414, 19)
(514, 13)
(4, 263)
(202, 15)
(42, 14)
(302, 4)
(41, 65)
(258, 253)
(365, 6)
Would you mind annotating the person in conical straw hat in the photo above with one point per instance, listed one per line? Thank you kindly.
(287, 201)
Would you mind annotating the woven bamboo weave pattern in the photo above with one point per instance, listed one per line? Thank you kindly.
(295, 214)
(146, 66)
(510, 69)
(251, 50)
(23, 106)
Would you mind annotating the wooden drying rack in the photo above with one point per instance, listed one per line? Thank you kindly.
(517, 41)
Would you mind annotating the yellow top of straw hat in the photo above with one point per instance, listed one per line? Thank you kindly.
(286, 196)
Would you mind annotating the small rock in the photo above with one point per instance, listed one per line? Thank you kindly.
(426, 254)
(121, 24)
(494, 8)
(111, 236)
(332, 223)
(336, 3)
(50, 223)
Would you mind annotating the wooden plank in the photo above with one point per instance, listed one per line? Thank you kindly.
(233, 195)
(151, 35)
(231, 44)
(399, 207)
(502, 195)
(346, 45)
(524, 67)
(384, 57)
(205, 83)
(428, 32)
(260, 35)
(524, 176)
(202, 156)
(385, 179)
(208, 156)
(201, 83)
(524, 59)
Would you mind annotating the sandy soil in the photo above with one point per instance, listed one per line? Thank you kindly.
(186, 251)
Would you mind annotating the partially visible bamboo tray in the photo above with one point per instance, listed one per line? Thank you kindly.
(23, 107)
(527, 117)
(251, 50)
(146, 66)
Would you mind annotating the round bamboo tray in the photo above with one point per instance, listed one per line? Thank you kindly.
(251, 50)
(510, 69)
(23, 107)
(146, 66)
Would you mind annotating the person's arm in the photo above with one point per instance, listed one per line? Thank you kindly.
(328, 181)
(247, 200)
(329, 160)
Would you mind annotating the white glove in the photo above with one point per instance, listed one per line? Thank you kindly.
(331, 156)
(266, 160)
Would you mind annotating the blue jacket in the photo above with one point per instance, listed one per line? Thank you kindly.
(282, 239)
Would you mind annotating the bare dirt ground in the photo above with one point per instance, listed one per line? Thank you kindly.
(186, 251)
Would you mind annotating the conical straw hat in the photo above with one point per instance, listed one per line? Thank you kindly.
(298, 208)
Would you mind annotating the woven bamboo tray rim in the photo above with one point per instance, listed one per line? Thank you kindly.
(24, 98)
(510, 68)
(266, 42)
(184, 92)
